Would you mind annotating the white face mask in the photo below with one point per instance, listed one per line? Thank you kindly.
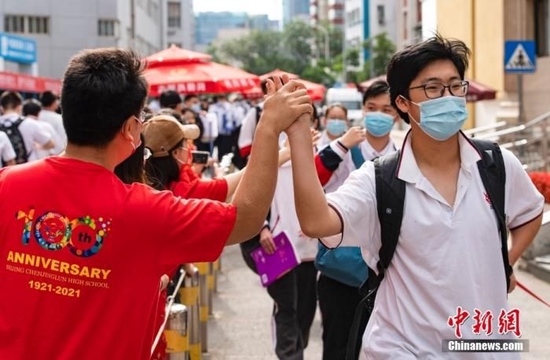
(181, 162)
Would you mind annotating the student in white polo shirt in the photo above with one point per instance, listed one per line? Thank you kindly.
(448, 256)
(31, 132)
(7, 154)
(339, 290)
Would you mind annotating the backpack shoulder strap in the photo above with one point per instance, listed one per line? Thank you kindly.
(357, 156)
(493, 175)
(18, 121)
(390, 197)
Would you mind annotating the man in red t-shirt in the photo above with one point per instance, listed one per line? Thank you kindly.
(81, 253)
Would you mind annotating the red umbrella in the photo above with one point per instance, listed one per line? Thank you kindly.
(476, 90)
(175, 55)
(199, 77)
(315, 91)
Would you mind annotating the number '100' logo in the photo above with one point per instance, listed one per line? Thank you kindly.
(83, 236)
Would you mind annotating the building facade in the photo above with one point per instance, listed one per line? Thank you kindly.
(295, 9)
(318, 11)
(63, 28)
(337, 12)
(208, 24)
(486, 35)
(180, 23)
(364, 19)
(409, 22)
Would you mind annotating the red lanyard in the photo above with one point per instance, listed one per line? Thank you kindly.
(524, 288)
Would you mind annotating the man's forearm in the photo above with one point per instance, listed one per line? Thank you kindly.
(257, 186)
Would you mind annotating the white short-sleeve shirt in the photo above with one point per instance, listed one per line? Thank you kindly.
(6, 149)
(284, 218)
(347, 165)
(31, 133)
(446, 256)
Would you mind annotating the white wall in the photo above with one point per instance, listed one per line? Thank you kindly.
(429, 18)
(74, 26)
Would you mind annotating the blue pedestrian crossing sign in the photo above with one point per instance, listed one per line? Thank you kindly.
(519, 57)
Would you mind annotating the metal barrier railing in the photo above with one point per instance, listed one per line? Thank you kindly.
(529, 142)
(485, 128)
(189, 296)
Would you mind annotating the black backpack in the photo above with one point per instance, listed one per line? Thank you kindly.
(237, 159)
(390, 196)
(16, 138)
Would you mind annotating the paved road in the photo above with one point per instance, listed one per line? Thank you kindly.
(241, 328)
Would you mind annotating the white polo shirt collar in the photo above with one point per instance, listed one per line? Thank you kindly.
(408, 170)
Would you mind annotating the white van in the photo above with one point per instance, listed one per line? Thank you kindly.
(352, 99)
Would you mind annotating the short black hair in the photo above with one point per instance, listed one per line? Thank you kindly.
(377, 88)
(190, 96)
(10, 100)
(31, 107)
(102, 88)
(405, 65)
(47, 98)
(169, 99)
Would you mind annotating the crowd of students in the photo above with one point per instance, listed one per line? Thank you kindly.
(125, 205)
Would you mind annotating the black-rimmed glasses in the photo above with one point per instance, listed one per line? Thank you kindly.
(437, 90)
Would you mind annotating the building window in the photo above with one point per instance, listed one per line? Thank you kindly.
(14, 24)
(21, 24)
(381, 15)
(38, 25)
(106, 28)
(174, 14)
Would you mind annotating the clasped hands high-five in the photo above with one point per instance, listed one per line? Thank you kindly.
(289, 102)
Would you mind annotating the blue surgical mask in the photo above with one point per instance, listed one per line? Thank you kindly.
(196, 108)
(378, 124)
(337, 127)
(443, 117)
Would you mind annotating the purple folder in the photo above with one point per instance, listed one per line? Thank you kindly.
(272, 267)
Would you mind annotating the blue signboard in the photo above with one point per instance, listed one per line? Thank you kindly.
(17, 49)
(519, 57)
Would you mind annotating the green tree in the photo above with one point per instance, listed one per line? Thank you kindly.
(291, 50)
(381, 49)
(298, 38)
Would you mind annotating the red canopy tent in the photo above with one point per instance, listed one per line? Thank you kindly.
(27, 83)
(315, 91)
(175, 55)
(207, 77)
(190, 72)
(476, 90)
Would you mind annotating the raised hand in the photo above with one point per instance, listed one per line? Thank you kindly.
(285, 103)
(354, 136)
(315, 136)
